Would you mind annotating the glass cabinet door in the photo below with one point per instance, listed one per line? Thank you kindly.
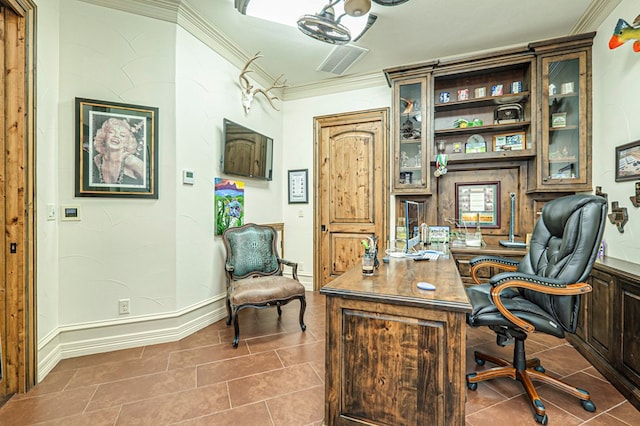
(565, 139)
(411, 165)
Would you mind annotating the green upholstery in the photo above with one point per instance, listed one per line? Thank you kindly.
(254, 274)
(252, 250)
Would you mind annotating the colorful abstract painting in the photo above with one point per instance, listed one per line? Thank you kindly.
(229, 204)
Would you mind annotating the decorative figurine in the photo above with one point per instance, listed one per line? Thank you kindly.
(635, 200)
(625, 32)
(441, 160)
(618, 216)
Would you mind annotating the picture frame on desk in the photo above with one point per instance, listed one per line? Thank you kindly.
(514, 141)
(628, 161)
(478, 204)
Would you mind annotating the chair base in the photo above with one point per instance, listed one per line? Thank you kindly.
(531, 371)
(234, 310)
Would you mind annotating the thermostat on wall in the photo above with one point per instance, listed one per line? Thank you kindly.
(70, 212)
(188, 177)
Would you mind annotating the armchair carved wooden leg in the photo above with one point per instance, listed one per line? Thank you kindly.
(236, 328)
(303, 307)
(228, 311)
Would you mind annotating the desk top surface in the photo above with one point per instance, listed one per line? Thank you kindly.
(396, 283)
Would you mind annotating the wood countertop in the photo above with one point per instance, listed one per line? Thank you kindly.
(396, 283)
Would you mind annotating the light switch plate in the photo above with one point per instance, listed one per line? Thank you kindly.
(70, 212)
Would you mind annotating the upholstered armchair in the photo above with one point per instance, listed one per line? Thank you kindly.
(540, 293)
(254, 274)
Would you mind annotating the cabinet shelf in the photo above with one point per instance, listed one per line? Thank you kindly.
(480, 102)
(410, 168)
(487, 156)
(562, 129)
(417, 141)
(562, 159)
(482, 129)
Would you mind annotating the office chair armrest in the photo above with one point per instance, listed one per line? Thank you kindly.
(501, 263)
(294, 267)
(506, 280)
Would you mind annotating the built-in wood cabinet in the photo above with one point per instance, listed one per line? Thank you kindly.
(518, 119)
(563, 162)
(411, 138)
(484, 112)
(609, 331)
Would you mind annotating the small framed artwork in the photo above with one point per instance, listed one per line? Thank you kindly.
(298, 190)
(478, 204)
(438, 234)
(628, 161)
(475, 144)
(116, 150)
(559, 119)
(509, 141)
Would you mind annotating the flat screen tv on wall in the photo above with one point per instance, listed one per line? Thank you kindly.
(246, 152)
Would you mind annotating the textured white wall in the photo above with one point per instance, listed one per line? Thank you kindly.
(122, 248)
(161, 254)
(47, 62)
(207, 91)
(616, 90)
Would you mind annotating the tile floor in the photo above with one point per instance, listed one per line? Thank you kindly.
(276, 377)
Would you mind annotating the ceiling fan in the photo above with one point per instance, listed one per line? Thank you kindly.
(338, 22)
(324, 25)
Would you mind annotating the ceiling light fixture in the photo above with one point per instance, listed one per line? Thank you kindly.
(325, 27)
(353, 17)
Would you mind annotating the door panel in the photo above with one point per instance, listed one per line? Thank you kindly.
(17, 290)
(351, 189)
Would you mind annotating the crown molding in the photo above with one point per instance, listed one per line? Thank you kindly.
(164, 10)
(335, 85)
(595, 15)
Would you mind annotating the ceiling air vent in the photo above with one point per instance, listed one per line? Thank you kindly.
(341, 58)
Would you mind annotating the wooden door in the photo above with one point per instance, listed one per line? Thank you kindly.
(351, 189)
(17, 251)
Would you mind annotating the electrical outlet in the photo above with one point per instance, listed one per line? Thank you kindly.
(124, 306)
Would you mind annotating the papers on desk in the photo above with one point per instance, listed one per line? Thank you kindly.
(424, 254)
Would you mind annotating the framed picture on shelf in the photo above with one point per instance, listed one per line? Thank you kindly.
(438, 234)
(559, 119)
(509, 141)
(478, 204)
(475, 144)
(116, 150)
(628, 161)
(298, 190)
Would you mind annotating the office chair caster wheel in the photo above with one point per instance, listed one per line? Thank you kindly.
(472, 386)
(480, 361)
(539, 369)
(541, 419)
(588, 405)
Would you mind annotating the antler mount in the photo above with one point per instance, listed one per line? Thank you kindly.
(248, 90)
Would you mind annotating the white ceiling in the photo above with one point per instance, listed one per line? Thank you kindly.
(416, 31)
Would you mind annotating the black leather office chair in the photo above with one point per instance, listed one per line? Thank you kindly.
(540, 293)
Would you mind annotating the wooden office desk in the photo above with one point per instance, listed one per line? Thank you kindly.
(396, 354)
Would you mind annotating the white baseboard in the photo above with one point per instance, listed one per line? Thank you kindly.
(87, 339)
